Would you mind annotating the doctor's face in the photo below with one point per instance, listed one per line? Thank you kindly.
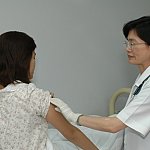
(138, 51)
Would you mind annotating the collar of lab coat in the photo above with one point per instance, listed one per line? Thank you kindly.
(142, 77)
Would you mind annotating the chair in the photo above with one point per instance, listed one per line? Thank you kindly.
(118, 100)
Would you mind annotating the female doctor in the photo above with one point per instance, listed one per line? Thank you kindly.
(135, 117)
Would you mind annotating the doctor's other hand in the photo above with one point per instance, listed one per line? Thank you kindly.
(65, 110)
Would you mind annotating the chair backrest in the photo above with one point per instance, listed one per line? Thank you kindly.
(118, 100)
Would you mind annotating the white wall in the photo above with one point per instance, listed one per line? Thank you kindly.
(80, 56)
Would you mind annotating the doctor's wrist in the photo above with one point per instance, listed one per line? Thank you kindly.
(78, 120)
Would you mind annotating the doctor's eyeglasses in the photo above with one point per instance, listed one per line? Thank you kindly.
(131, 45)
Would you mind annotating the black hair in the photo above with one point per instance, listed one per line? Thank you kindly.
(141, 27)
(16, 50)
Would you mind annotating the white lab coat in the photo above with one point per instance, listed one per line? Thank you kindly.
(136, 115)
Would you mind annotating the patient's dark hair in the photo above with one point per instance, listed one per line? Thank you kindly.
(141, 27)
(16, 50)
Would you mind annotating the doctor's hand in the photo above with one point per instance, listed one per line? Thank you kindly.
(65, 110)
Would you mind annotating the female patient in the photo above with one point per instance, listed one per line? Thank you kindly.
(25, 110)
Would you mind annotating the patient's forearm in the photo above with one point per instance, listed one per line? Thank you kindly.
(81, 140)
(107, 124)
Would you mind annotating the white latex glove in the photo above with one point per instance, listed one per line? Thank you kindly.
(65, 110)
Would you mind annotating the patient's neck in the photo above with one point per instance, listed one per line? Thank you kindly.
(1, 86)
